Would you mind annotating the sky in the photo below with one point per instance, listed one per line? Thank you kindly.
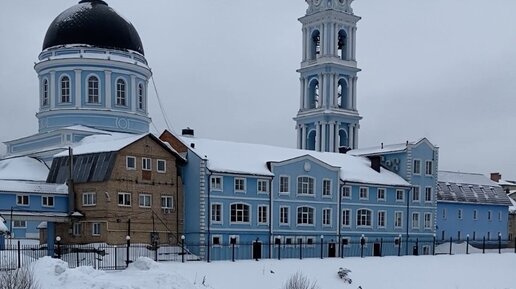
(441, 69)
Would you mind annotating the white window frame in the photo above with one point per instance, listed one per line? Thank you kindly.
(416, 221)
(93, 92)
(381, 197)
(396, 225)
(146, 164)
(489, 215)
(144, 196)
(347, 243)
(326, 217)
(89, 199)
(349, 219)
(259, 215)
(428, 221)
(416, 169)
(326, 188)
(170, 200)
(361, 191)
(126, 197)
(310, 213)
(45, 201)
(219, 237)
(214, 213)
(282, 187)
(416, 194)
(500, 215)
(260, 183)
(358, 219)
(243, 221)
(63, 89)
(305, 182)
(127, 158)
(21, 198)
(121, 92)
(19, 224)
(45, 91)
(77, 229)
(346, 188)
(95, 229)
(381, 219)
(216, 186)
(460, 214)
(475, 214)
(141, 96)
(400, 192)
(429, 192)
(164, 162)
(282, 215)
(427, 171)
(240, 187)
(444, 213)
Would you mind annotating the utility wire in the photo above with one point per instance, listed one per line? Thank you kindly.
(160, 107)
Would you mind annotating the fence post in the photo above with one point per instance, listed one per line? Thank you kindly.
(484, 245)
(278, 242)
(417, 248)
(433, 246)
(451, 244)
(300, 249)
(19, 255)
(499, 243)
(77, 256)
(467, 244)
(362, 243)
(342, 248)
(183, 249)
(381, 247)
(322, 242)
(127, 261)
(116, 257)
(399, 245)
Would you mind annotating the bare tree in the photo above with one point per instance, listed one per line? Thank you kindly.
(22, 278)
(299, 281)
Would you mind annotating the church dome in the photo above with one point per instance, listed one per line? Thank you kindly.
(93, 22)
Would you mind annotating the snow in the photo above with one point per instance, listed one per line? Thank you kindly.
(103, 143)
(421, 272)
(244, 158)
(23, 168)
(466, 178)
(3, 227)
(512, 209)
(391, 148)
(33, 187)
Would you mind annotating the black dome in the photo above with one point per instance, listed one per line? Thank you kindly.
(93, 22)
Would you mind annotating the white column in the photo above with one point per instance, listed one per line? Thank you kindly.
(323, 137)
(350, 92)
(301, 93)
(323, 40)
(305, 95)
(52, 90)
(298, 130)
(355, 138)
(317, 136)
(321, 89)
(354, 95)
(332, 137)
(334, 89)
(305, 43)
(337, 136)
(351, 136)
(133, 92)
(78, 88)
(353, 45)
(109, 94)
(303, 136)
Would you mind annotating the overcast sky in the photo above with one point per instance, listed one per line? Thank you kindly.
(441, 69)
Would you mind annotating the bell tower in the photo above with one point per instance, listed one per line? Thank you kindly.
(328, 118)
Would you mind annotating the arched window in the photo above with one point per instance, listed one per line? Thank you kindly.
(45, 92)
(342, 45)
(305, 216)
(313, 95)
(342, 94)
(120, 92)
(93, 89)
(343, 138)
(239, 213)
(364, 217)
(310, 140)
(315, 46)
(65, 89)
(140, 97)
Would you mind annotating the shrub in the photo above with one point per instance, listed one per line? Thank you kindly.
(299, 281)
(22, 278)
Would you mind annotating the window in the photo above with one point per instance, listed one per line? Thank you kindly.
(161, 166)
(130, 163)
(305, 186)
(346, 192)
(284, 184)
(146, 164)
(489, 217)
(140, 97)
(263, 214)
(381, 194)
(216, 213)
(124, 199)
(167, 202)
(65, 89)
(19, 224)
(77, 229)
(428, 194)
(216, 183)
(363, 218)
(45, 92)
(417, 167)
(475, 215)
(145, 200)
(364, 193)
(93, 89)
(399, 195)
(239, 213)
(326, 189)
(428, 168)
(415, 194)
(444, 213)
(326, 217)
(346, 218)
(459, 214)
(398, 219)
(381, 219)
(415, 220)
(284, 215)
(499, 216)
(305, 216)
(95, 229)
(239, 185)
(120, 92)
(22, 200)
(216, 240)
(89, 199)
(47, 201)
(428, 220)
(263, 186)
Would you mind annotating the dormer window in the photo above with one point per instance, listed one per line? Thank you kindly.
(121, 92)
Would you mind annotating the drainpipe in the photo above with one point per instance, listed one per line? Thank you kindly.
(408, 218)
(177, 203)
(270, 218)
(209, 217)
(339, 221)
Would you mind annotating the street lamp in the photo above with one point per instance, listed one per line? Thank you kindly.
(128, 239)
(322, 240)
(183, 248)
(58, 241)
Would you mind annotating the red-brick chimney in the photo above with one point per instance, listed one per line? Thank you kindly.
(496, 177)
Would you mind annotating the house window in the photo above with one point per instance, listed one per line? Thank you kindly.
(399, 195)
(45, 92)
(95, 229)
(444, 213)
(417, 167)
(428, 194)
(77, 229)
(305, 216)
(216, 183)
(140, 96)
(499, 216)
(124, 199)
(130, 163)
(398, 219)
(305, 186)
(263, 214)
(239, 185)
(364, 193)
(415, 194)
(428, 220)
(364, 218)
(22, 200)
(239, 213)
(326, 190)
(381, 194)
(284, 185)
(47, 201)
(65, 89)
(216, 213)
(346, 218)
(326, 217)
(216, 240)
(428, 168)
(18, 224)
(263, 186)
(346, 192)
(284, 212)
(145, 200)
(146, 164)
(167, 202)
(415, 220)
(93, 89)
(381, 219)
(120, 92)
(475, 215)
(459, 214)
(89, 199)
(161, 166)
(489, 217)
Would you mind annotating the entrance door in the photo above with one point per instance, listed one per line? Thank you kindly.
(332, 250)
(377, 250)
(257, 250)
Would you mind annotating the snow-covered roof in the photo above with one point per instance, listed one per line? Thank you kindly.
(102, 143)
(244, 158)
(384, 149)
(3, 227)
(40, 187)
(465, 178)
(512, 208)
(23, 168)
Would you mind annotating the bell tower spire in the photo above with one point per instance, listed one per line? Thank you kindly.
(328, 118)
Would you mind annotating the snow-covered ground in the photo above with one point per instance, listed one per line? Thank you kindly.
(475, 271)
